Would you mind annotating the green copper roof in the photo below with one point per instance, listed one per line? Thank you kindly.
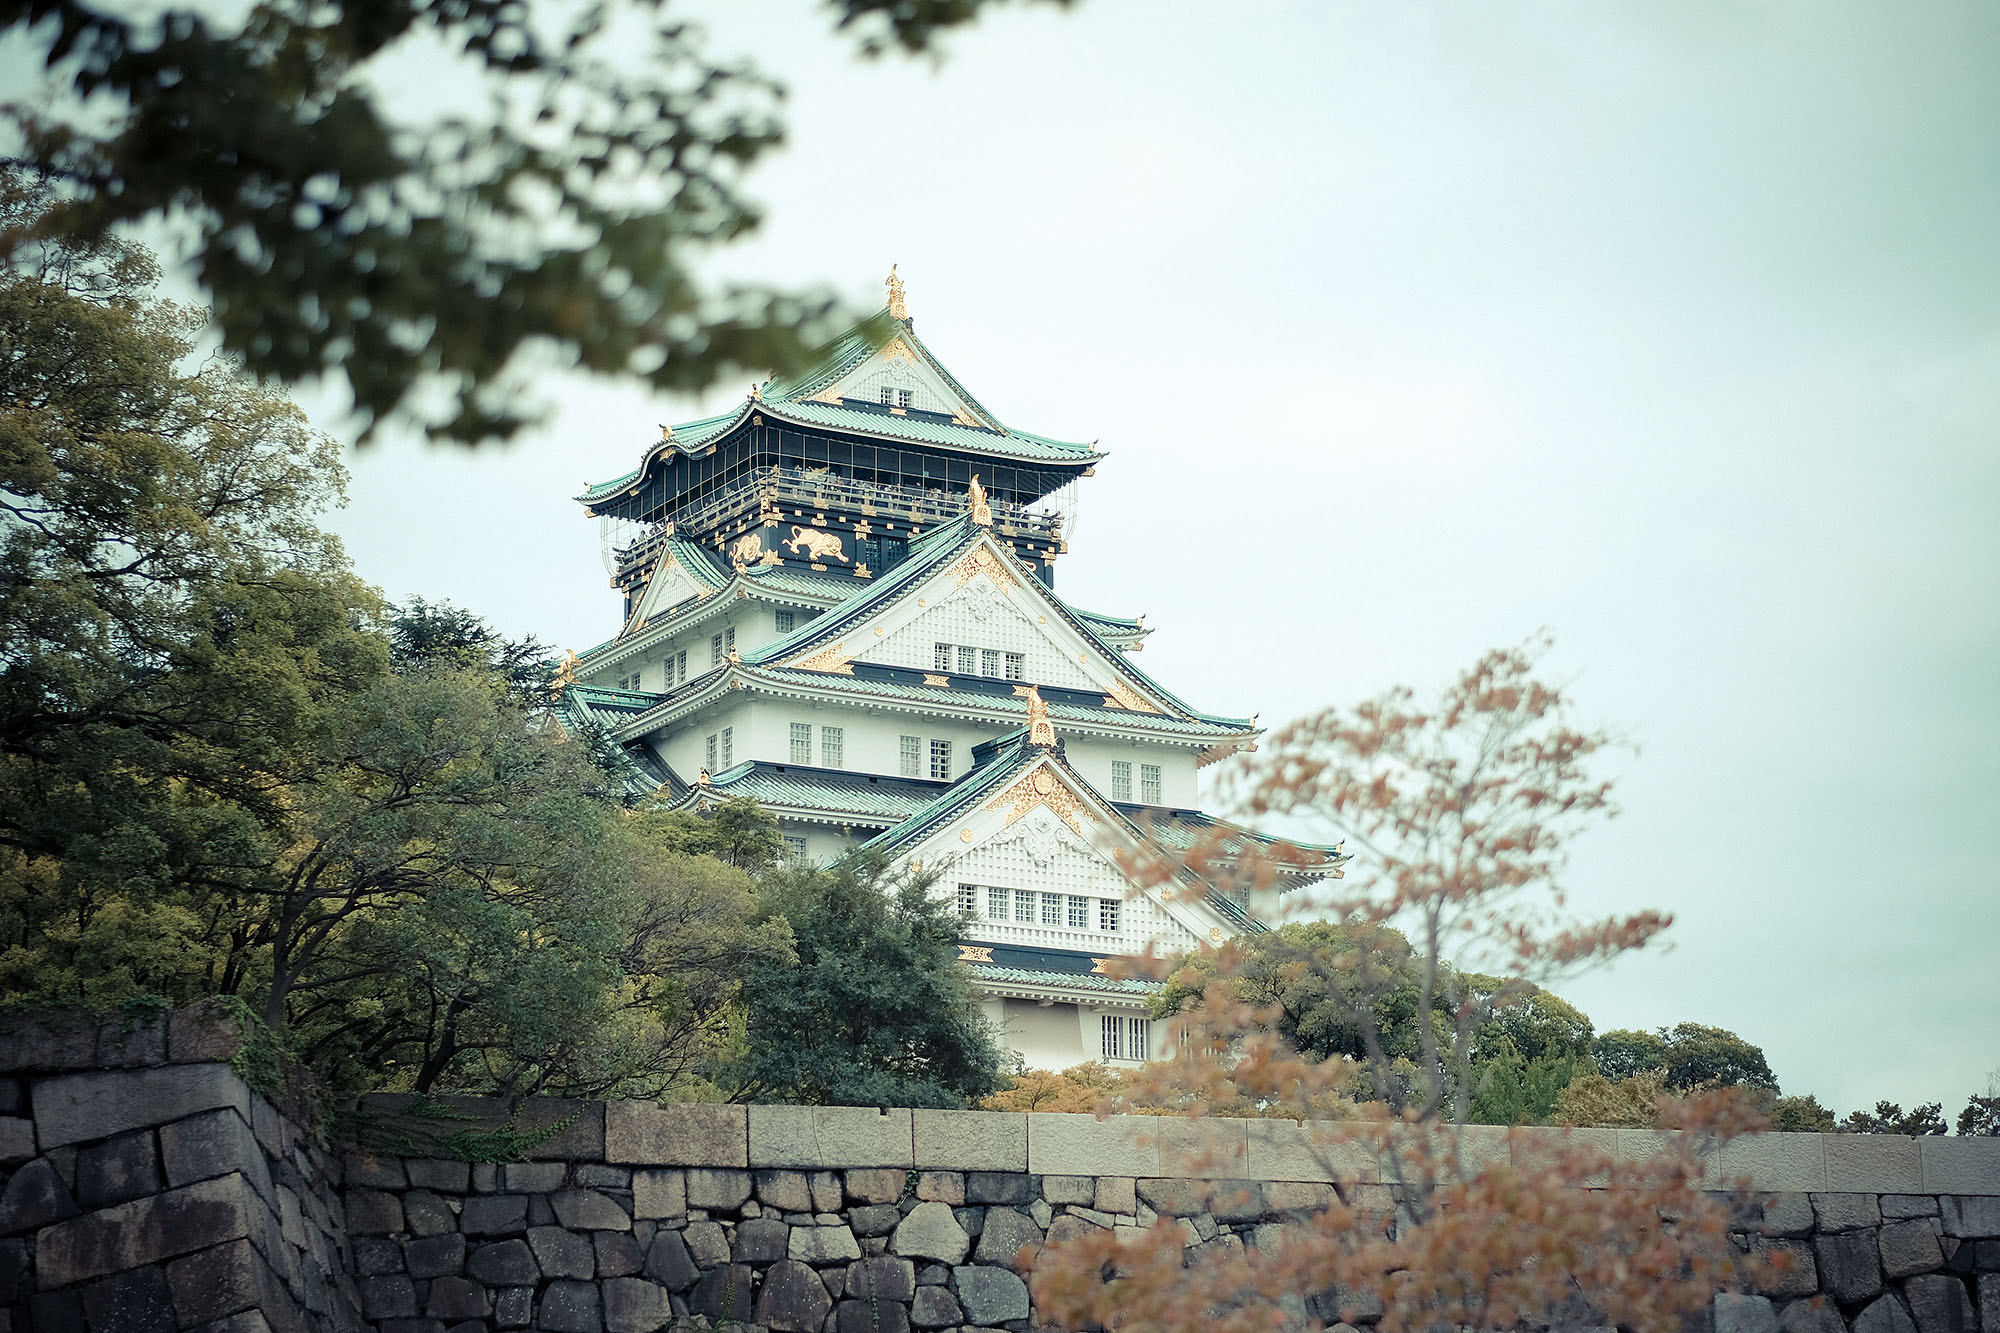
(867, 798)
(1067, 980)
(1059, 712)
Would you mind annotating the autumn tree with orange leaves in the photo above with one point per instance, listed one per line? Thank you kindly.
(1458, 817)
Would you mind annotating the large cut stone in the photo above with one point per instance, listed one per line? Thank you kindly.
(634, 1305)
(442, 1256)
(717, 1190)
(436, 1174)
(587, 1210)
(1969, 1216)
(79, 1107)
(494, 1215)
(562, 1253)
(34, 1197)
(507, 1264)
(1989, 1301)
(852, 1316)
(793, 1299)
(682, 1135)
(1783, 1268)
(659, 1193)
(1886, 1315)
(1005, 1232)
(572, 1307)
(425, 1214)
(1939, 1304)
(787, 1191)
(1910, 1247)
(989, 1296)
(1010, 1187)
(823, 1245)
(618, 1253)
(120, 1170)
(724, 1293)
(1744, 1314)
(931, 1232)
(1850, 1265)
(935, 1307)
(144, 1231)
(881, 1278)
(228, 1278)
(669, 1263)
(1814, 1316)
(876, 1184)
(389, 1296)
(134, 1302)
(760, 1241)
(1847, 1212)
(708, 1243)
(453, 1298)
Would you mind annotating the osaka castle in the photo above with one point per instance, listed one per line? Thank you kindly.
(839, 599)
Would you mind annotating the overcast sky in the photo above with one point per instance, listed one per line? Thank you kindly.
(1411, 328)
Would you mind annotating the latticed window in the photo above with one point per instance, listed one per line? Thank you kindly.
(711, 752)
(968, 900)
(1017, 666)
(940, 759)
(832, 747)
(715, 650)
(1149, 783)
(989, 661)
(785, 619)
(1126, 1038)
(681, 666)
(728, 746)
(968, 661)
(1052, 909)
(941, 657)
(802, 743)
(795, 849)
(888, 396)
(996, 903)
(729, 641)
(1024, 905)
(1079, 913)
(1107, 914)
(1121, 779)
(912, 756)
(904, 397)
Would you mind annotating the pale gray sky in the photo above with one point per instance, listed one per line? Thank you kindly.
(1412, 327)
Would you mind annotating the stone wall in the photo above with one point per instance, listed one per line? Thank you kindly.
(624, 1217)
(145, 1188)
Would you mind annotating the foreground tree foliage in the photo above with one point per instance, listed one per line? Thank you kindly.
(340, 227)
(1460, 813)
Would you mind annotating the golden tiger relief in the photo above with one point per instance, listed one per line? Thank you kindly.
(817, 545)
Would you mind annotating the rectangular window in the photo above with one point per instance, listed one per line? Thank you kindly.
(989, 662)
(968, 900)
(968, 661)
(795, 849)
(1079, 913)
(802, 743)
(996, 903)
(1052, 909)
(913, 756)
(1121, 779)
(1017, 666)
(1024, 905)
(711, 754)
(940, 759)
(1107, 914)
(729, 641)
(785, 622)
(904, 397)
(715, 650)
(1149, 783)
(728, 746)
(1126, 1038)
(888, 396)
(832, 747)
(681, 667)
(940, 657)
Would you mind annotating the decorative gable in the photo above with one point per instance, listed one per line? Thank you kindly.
(901, 378)
(667, 587)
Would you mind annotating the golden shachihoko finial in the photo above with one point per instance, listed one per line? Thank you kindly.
(982, 513)
(1041, 731)
(897, 308)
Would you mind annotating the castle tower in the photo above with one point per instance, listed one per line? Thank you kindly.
(839, 600)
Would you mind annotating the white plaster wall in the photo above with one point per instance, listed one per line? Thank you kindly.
(1179, 774)
(1045, 1037)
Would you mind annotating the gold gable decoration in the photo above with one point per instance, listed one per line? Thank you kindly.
(982, 512)
(1041, 732)
(833, 661)
(981, 560)
(1039, 788)
(1120, 695)
(899, 346)
(975, 953)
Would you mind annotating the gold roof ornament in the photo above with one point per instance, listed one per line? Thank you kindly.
(897, 308)
(701, 778)
(756, 392)
(666, 433)
(982, 513)
(566, 673)
(1041, 731)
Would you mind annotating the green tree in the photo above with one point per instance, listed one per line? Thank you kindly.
(875, 1011)
(1801, 1115)
(1692, 1055)
(424, 255)
(1622, 1053)
(1890, 1118)
(430, 636)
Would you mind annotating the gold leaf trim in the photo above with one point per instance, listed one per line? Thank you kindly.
(981, 560)
(975, 953)
(833, 661)
(1120, 695)
(1039, 788)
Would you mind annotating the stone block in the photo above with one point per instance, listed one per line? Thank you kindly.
(453, 1298)
(989, 1296)
(1115, 1194)
(444, 1256)
(830, 1136)
(134, 1302)
(826, 1192)
(1232, 1201)
(374, 1213)
(634, 1305)
(708, 1243)
(13, 1271)
(534, 1177)
(1008, 1187)
(1083, 1145)
(930, 1231)
(1787, 1214)
(1817, 1315)
(572, 1307)
(589, 1210)
(761, 1240)
(229, 1278)
(35, 1196)
(882, 1278)
(50, 1040)
(1989, 1302)
(427, 1214)
(491, 1215)
(1850, 1265)
(659, 1193)
(1007, 1231)
(17, 1139)
(852, 1316)
(562, 1253)
(1873, 1163)
(599, 1176)
(941, 1186)
(970, 1140)
(1939, 1304)
(513, 1307)
(1847, 1212)
(669, 1263)
(1885, 1315)
(1287, 1150)
(1961, 1166)
(76, 1108)
(717, 1190)
(1774, 1162)
(375, 1255)
(935, 1307)
(642, 1134)
(1176, 1197)
(1060, 1190)
(874, 1219)
(200, 1032)
(145, 1231)
(822, 1245)
(876, 1185)
(369, 1171)
(787, 1191)
(793, 1299)
(1783, 1268)
(214, 1143)
(1735, 1313)
(1298, 1196)
(1909, 1248)
(724, 1294)
(1909, 1205)
(1210, 1149)
(1970, 1217)
(618, 1253)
